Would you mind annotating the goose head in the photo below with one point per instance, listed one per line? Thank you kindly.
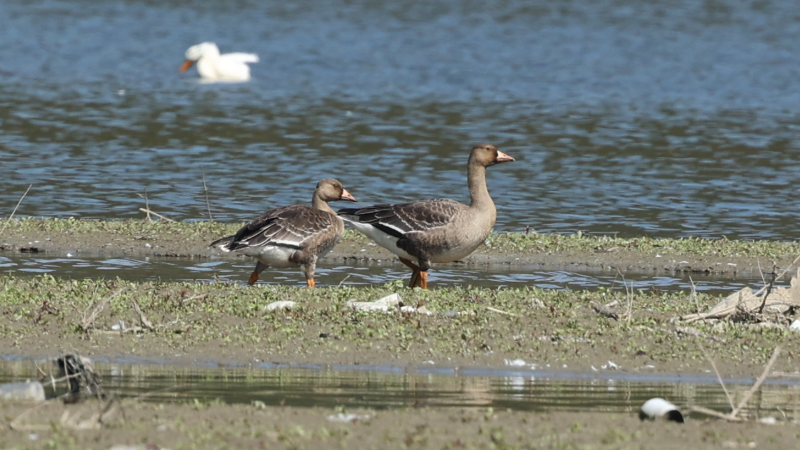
(488, 155)
(330, 190)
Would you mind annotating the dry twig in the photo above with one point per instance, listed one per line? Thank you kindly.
(205, 188)
(734, 414)
(343, 280)
(146, 323)
(148, 211)
(717, 414)
(769, 289)
(146, 205)
(500, 311)
(758, 382)
(719, 378)
(87, 321)
(782, 273)
(15, 209)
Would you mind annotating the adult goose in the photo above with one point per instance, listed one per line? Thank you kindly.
(212, 66)
(434, 231)
(292, 235)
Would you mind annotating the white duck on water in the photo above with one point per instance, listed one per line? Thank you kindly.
(212, 66)
(294, 235)
(434, 231)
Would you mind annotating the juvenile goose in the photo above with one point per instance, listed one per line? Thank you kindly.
(434, 231)
(292, 235)
(215, 67)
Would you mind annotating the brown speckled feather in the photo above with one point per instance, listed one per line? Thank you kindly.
(295, 226)
(402, 218)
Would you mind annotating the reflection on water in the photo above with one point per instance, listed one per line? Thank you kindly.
(382, 387)
(354, 274)
(661, 118)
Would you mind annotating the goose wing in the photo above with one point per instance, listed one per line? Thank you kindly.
(290, 226)
(401, 218)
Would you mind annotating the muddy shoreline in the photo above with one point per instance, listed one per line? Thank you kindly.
(450, 328)
(230, 323)
(253, 426)
(536, 252)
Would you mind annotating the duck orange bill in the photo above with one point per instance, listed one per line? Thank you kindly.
(186, 65)
(346, 196)
(502, 157)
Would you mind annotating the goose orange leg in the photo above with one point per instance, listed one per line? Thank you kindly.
(415, 273)
(254, 276)
(423, 279)
(311, 283)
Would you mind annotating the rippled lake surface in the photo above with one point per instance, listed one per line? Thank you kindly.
(661, 118)
(528, 388)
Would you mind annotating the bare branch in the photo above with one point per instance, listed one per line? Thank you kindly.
(15, 209)
(148, 211)
(758, 382)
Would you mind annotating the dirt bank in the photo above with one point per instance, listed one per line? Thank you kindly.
(242, 426)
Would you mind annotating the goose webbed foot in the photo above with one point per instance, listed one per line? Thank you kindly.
(415, 273)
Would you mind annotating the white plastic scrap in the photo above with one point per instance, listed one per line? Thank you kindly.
(348, 418)
(284, 304)
(515, 362)
(611, 365)
(382, 304)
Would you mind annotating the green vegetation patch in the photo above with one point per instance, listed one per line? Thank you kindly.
(517, 243)
(123, 227)
(580, 243)
(225, 321)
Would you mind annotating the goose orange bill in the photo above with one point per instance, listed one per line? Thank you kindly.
(346, 196)
(502, 157)
(186, 65)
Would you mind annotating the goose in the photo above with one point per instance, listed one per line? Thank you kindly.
(215, 67)
(433, 231)
(292, 236)
(656, 408)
